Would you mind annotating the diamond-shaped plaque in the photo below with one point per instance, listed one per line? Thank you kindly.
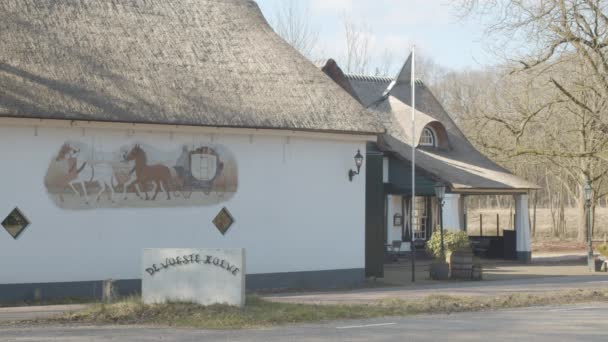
(15, 223)
(223, 221)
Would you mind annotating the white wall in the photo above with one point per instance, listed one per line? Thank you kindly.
(295, 208)
(394, 207)
(453, 212)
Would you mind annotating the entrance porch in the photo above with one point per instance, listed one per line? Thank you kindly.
(510, 242)
(395, 227)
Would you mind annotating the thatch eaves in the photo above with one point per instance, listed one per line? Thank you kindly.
(178, 62)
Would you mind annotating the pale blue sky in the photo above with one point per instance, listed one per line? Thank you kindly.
(395, 24)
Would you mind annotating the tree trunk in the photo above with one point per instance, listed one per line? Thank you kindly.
(581, 218)
(562, 218)
(534, 222)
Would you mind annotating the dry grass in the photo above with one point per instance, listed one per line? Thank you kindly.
(543, 222)
(259, 312)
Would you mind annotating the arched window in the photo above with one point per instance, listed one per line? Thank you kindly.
(428, 137)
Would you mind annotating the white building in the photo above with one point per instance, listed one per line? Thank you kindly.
(443, 155)
(236, 140)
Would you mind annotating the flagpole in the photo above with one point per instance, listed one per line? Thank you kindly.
(413, 212)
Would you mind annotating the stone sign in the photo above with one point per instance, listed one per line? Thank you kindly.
(202, 276)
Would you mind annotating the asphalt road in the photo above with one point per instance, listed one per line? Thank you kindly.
(582, 322)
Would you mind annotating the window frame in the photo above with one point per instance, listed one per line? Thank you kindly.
(432, 134)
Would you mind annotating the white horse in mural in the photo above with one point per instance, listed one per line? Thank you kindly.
(87, 172)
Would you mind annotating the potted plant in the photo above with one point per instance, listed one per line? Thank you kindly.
(461, 256)
(440, 269)
(603, 249)
(458, 258)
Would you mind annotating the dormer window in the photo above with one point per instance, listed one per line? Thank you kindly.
(428, 137)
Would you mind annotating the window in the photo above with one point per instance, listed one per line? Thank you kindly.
(420, 219)
(428, 137)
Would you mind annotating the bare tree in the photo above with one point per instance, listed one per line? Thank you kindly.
(292, 23)
(358, 44)
(386, 66)
(429, 70)
(558, 55)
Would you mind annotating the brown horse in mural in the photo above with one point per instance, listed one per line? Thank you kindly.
(158, 174)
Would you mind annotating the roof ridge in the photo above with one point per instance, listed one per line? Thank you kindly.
(370, 78)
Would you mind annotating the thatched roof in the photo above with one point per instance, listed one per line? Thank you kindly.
(188, 62)
(459, 164)
(401, 125)
(331, 69)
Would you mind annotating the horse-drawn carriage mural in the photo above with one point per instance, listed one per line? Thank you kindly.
(82, 176)
(198, 169)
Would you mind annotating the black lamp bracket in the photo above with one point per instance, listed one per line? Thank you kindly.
(352, 173)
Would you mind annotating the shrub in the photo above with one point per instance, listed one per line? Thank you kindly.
(603, 249)
(452, 241)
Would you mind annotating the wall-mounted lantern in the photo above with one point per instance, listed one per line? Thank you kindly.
(397, 220)
(358, 163)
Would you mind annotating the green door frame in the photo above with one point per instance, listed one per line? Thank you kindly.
(375, 207)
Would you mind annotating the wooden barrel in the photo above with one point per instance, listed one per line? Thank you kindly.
(462, 271)
(461, 265)
(476, 272)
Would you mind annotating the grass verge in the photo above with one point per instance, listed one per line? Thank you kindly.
(259, 312)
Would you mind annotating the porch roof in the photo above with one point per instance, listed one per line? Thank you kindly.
(460, 165)
(460, 173)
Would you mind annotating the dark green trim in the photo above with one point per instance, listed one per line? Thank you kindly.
(91, 290)
(375, 215)
(400, 179)
(406, 205)
(19, 293)
(326, 279)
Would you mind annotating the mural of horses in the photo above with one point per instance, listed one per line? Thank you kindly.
(190, 175)
(67, 165)
(159, 175)
(131, 180)
(86, 172)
